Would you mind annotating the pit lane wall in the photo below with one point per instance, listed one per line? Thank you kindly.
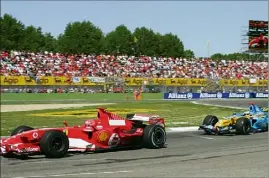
(218, 95)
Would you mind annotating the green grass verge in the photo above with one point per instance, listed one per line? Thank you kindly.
(20, 98)
(175, 114)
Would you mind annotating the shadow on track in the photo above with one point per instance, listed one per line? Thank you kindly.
(71, 154)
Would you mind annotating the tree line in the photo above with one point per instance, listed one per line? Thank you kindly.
(85, 37)
(239, 56)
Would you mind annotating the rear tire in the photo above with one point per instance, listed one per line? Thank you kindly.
(21, 129)
(154, 136)
(8, 155)
(210, 120)
(54, 144)
(242, 126)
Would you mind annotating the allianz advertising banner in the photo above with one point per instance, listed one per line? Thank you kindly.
(219, 95)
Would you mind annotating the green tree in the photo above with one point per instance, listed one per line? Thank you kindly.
(239, 56)
(49, 42)
(11, 32)
(80, 37)
(189, 53)
(32, 40)
(218, 56)
(119, 40)
(171, 46)
(146, 41)
(85, 37)
(104, 46)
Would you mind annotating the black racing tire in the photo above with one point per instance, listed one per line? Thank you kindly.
(242, 126)
(20, 129)
(9, 155)
(210, 120)
(154, 136)
(54, 144)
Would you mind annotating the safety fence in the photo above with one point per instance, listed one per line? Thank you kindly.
(120, 84)
(92, 81)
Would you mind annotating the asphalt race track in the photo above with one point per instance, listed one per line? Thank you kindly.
(190, 154)
(243, 103)
(186, 155)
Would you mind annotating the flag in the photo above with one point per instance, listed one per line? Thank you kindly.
(135, 39)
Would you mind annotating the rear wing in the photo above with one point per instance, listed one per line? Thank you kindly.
(158, 121)
(147, 118)
(110, 119)
(254, 109)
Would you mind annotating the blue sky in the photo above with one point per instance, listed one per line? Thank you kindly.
(195, 22)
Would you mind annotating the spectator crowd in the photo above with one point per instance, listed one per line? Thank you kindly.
(48, 64)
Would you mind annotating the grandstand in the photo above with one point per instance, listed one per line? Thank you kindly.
(165, 74)
(49, 64)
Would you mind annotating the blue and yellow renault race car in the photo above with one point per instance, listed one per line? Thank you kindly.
(253, 120)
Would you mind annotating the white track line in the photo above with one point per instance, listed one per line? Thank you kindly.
(32, 107)
(208, 138)
(221, 106)
(67, 160)
(182, 129)
(75, 174)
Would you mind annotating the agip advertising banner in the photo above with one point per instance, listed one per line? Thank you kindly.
(219, 95)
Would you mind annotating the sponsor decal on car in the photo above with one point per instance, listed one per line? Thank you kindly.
(102, 136)
(29, 149)
(35, 135)
(99, 127)
(92, 112)
(139, 130)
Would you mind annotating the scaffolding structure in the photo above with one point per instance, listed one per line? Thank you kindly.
(244, 39)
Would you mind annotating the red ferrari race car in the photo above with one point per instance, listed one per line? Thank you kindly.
(106, 132)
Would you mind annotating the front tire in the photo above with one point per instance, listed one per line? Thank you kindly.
(54, 144)
(242, 126)
(21, 129)
(210, 120)
(154, 136)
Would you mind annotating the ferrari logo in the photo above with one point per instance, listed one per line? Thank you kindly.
(102, 136)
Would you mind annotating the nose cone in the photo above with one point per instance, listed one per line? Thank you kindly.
(3, 150)
(2, 141)
(2, 147)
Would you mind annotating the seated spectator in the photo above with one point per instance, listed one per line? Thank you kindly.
(49, 64)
